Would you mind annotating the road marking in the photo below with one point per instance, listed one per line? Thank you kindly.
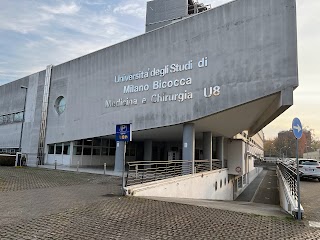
(314, 224)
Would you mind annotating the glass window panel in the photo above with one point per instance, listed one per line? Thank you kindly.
(4, 119)
(112, 151)
(87, 142)
(105, 142)
(78, 142)
(97, 142)
(10, 118)
(104, 151)
(96, 151)
(18, 117)
(58, 149)
(87, 151)
(112, 143)
(51, 149)
(60, 105)
(66, 149)
(77, 150)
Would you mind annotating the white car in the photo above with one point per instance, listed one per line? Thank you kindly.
(310, 168)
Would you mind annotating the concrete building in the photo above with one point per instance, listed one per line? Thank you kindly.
(196, 79)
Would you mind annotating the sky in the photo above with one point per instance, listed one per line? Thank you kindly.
(36, 33)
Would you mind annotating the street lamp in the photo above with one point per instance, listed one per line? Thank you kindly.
(280, 150)
(271, 149)
(287, 152)
(23, 117)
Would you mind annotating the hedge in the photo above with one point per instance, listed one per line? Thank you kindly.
(7, 160)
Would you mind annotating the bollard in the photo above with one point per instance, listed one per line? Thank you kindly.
(55, 164)
(104, 168)
(78, 166)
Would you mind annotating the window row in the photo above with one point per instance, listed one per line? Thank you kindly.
(96, 142)
(11, 118)
(108, 148)
(62, 148)
(9, 150)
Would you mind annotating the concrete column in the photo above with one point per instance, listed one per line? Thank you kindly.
(147, 155)
(71, 152)
(188, 147)
(220, 150)
(207, 146)
(120, 151)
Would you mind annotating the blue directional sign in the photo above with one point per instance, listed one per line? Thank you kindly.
(123, 132)
(297, 128)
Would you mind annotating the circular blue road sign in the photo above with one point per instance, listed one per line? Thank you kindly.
(297, 128)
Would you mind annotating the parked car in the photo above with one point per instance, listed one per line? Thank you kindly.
(310, 168)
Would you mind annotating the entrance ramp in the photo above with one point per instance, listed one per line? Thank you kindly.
(212, 185)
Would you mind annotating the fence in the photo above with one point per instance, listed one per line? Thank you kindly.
(290, 176)
(143, 172)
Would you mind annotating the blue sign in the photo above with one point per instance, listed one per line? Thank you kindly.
(123, 132)
(297, 128)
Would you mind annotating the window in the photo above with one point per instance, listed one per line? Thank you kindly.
(105, 142)
(112, 151)
(77, 150)
(59, 149)
(96, 151)
(78, 142)
(4, 119)
(112, 143)
(87, 142)
(104, 151)
(66, 149)
(51, 149)
(97, 142)
(18, 117)
(86, 151)
(1, 120)
(60, 105)
(10, 118)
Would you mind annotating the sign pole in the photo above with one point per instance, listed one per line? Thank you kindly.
(297, 131)
(124, 169)
(298, 180)
(124, 134)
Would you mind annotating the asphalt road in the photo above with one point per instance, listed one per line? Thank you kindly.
(310, 199)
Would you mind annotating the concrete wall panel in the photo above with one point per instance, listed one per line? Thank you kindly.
(251, 51)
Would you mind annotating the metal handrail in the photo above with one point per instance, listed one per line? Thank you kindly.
(147, 171)
(290, 176)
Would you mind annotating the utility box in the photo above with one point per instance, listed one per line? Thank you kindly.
(236, 157)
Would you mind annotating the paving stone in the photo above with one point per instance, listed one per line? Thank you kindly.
(82, 206)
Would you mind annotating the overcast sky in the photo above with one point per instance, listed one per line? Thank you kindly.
(36, 33)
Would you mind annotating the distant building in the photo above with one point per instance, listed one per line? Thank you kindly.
(312, 155)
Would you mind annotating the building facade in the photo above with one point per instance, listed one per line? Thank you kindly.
(187, 88)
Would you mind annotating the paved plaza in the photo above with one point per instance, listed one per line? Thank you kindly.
(51, 204)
